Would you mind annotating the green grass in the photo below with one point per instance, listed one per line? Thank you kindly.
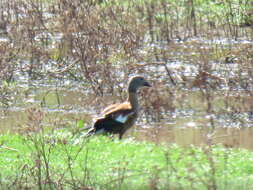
(48, 161)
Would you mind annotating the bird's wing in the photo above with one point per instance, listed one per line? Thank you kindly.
(109, 108)
(114, 119)
(106, 124)
(121, 112)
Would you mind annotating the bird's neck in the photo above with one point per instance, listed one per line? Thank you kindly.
(133, 99)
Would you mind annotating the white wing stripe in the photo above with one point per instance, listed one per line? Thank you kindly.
(123, 118)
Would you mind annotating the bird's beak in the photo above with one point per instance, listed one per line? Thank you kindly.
(147, 84)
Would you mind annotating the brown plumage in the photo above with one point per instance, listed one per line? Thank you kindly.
(118, 118)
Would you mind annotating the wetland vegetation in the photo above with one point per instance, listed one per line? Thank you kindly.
(62, 61)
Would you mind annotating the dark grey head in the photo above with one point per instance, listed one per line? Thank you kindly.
(137, 82)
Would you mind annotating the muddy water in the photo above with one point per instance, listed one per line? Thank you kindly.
(66, 108)
(229, 137)
(181, 131)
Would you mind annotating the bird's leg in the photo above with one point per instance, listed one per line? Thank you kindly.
(120, 136)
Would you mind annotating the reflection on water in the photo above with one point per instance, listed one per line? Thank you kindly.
(229, 137)
(181, 131)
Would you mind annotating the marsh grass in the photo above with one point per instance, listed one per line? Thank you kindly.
(52, 160)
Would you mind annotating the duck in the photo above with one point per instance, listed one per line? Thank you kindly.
(118, 118)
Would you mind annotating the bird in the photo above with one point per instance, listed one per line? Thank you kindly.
(118, 118)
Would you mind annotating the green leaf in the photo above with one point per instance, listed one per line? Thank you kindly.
(80, 124)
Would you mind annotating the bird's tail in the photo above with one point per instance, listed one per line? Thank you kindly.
(81, 136)
(82, 132)
(94, 131)
(85, 128)
(90, 133)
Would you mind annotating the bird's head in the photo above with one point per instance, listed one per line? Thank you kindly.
(137, 82)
